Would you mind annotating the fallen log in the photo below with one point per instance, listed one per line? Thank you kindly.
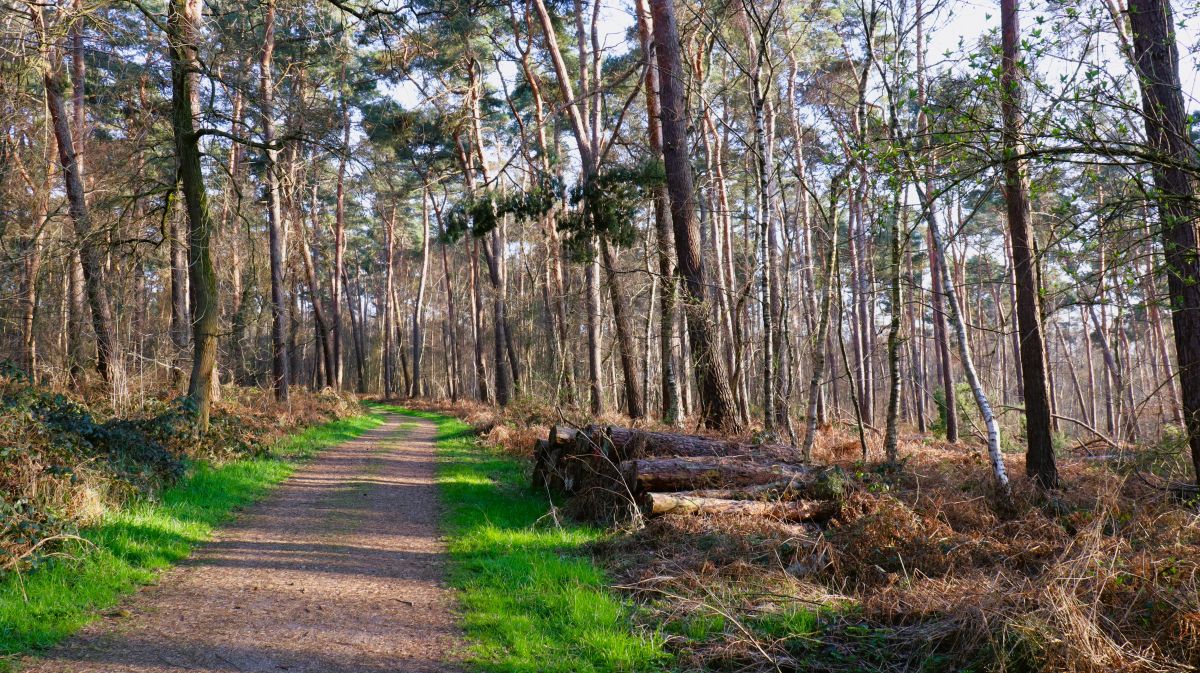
(658, 504)
(562, 435)
(632, 443)
(581, 458)
(691, 473)
(815, 484)
(572, 458)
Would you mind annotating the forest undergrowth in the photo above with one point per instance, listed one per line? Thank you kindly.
(924, 569)
(94, 504)
(66, 461)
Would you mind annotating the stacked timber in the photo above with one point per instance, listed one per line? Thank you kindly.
(612, 472)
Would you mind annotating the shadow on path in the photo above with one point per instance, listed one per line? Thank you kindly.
(339, 571)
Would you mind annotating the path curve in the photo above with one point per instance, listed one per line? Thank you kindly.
(338, 571)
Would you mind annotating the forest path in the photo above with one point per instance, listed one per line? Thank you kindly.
(338, 571)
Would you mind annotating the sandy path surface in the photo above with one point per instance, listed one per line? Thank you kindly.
(338, 571)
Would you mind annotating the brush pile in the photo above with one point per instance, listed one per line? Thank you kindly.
(613, 474)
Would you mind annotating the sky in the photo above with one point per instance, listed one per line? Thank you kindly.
(957, 25)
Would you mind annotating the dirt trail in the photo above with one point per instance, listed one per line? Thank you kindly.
(339, 571)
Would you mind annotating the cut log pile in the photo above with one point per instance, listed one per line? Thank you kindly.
(612, 473)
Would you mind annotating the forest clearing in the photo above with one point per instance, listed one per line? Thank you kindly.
(599, 335)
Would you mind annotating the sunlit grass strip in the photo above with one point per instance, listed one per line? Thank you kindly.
(128, 547)
(532, 599)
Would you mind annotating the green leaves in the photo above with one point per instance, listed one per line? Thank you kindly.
(483, 212)
(607, 205)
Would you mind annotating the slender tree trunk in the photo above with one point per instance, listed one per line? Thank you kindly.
(1155, 318)
(180, 313)
(314, 284)
(108, 357)
(75, 310)
(455, 361)
(635, 405)
(418, 316)
(357, 329)
(1091, 366)
(595, 375)
(968, 362)
(389, 378)
(938, 314)
(482, 391)
(821, 338)
(1062, 342)
(896, 299)
(33, 263)
(339, 246)
(279, 361)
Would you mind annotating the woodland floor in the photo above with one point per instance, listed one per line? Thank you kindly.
(339, 570)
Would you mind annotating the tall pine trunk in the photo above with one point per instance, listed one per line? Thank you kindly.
(418, 316)
(716, 397)
(664, 241)
(1039, 456)
(279, 359)
(1157, 63)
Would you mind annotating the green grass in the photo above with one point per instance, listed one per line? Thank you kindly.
(128, 547)
(531, 598)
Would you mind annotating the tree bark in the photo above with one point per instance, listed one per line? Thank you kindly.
(689, 473)
(664, 241)
(716, 396)
(279, 361)
(1039, 456)
(659, 504)
(418, 316)
(999, 472)
(1157, 64)
(108, 357)
(183, 38)
(635, 405)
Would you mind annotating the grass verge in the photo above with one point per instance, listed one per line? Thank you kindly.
(128, 547)
(532, 599)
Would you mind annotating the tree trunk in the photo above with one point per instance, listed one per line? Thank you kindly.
(388, 346)
(891, 435)
(357, 329)
(658, 504)
(662, 228)
(418, 316)
(634, 403)
(455, 362)
(314, 285)
(33, 263)
(108, 357)
(716, 396)
(183, 38)
(339, 246)
(279, 361)
(820, 340)
(964, 350)
(482, 391)
(592, 279)
(1039, 456)
(940, 332)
